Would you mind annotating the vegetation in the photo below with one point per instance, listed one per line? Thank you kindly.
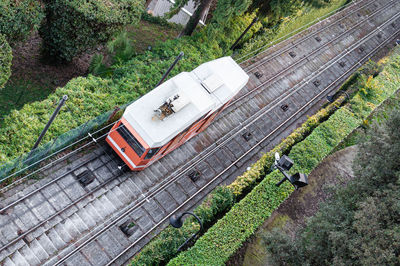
(246, 182)
(74, 26)
(5, 61)
(274, 28)
(164, 247)
(123, 82)
(89, 97)
(19, 18)
(18, 91)
(359, 224)
(227, 235)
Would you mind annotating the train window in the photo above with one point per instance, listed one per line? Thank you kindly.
(131, 140)
(151, 153)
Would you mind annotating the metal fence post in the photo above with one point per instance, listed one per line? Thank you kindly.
(53, 116)
(179, 57)
(245, 31)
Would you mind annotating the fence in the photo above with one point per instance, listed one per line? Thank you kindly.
(32, 160)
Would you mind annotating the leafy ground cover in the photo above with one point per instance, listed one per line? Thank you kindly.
(30, 79)
(162, 248)
(5, 61)
(358, 224)
(128, 80)
(291, 216)
(288, 26)
(227, 235)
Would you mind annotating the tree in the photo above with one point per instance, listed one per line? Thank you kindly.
(73, 26)
(202, 6)
(360, 223)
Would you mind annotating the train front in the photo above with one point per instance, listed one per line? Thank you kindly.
(128, 144)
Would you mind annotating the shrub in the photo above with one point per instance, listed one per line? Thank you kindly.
(74, 26)
(235, 191)
(89, 97)
(5, 61)
(164, 246)
(359, 224)
(19, 18)
(227, 235)
(223, 239)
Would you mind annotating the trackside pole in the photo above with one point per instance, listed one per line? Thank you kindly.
(53, 116)
(245, 31)
(179, 57)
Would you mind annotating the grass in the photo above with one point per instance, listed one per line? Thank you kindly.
(18, 92)
(306, 17)
(147, 34)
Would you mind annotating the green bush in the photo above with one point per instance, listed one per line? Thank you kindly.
(223, 239)
(89, 97)
(74, 26)
(227, 235)
(237, 190)
(5, 61)
(163, 248)
(19, 18)
(359, 224)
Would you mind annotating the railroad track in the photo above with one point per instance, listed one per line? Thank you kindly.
(146, 199)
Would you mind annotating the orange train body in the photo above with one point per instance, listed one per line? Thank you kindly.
(187, 104)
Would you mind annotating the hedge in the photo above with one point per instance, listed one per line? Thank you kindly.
(164, 243)
(19, 18)
(74, 26)
(164, 247)
(5, 61)
(223, 239)
(243, 184)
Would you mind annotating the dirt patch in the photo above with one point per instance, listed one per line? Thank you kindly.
(33, 79)
(28, 64)
(293, 213)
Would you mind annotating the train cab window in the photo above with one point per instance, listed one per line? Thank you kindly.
(131, 140)
(151, 153)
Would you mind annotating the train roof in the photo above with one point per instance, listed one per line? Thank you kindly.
(201, 91)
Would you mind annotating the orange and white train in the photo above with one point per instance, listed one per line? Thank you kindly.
(175, 111)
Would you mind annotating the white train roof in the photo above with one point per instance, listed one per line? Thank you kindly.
(201, 91)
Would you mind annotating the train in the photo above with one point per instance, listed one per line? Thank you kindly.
(175, 111)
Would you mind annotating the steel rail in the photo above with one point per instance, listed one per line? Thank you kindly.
(175, 178)
(311, 35)
(299, 31)
(264, 60)
(246, 153)
(49, 164)
(278, 101)
(2, 210)
(73, 203)
(304, 58)
(76, 142)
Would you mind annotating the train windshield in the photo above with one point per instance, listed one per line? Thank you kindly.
(151, 153)
(131, 140)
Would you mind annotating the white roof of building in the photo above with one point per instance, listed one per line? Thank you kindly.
(222, 79)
